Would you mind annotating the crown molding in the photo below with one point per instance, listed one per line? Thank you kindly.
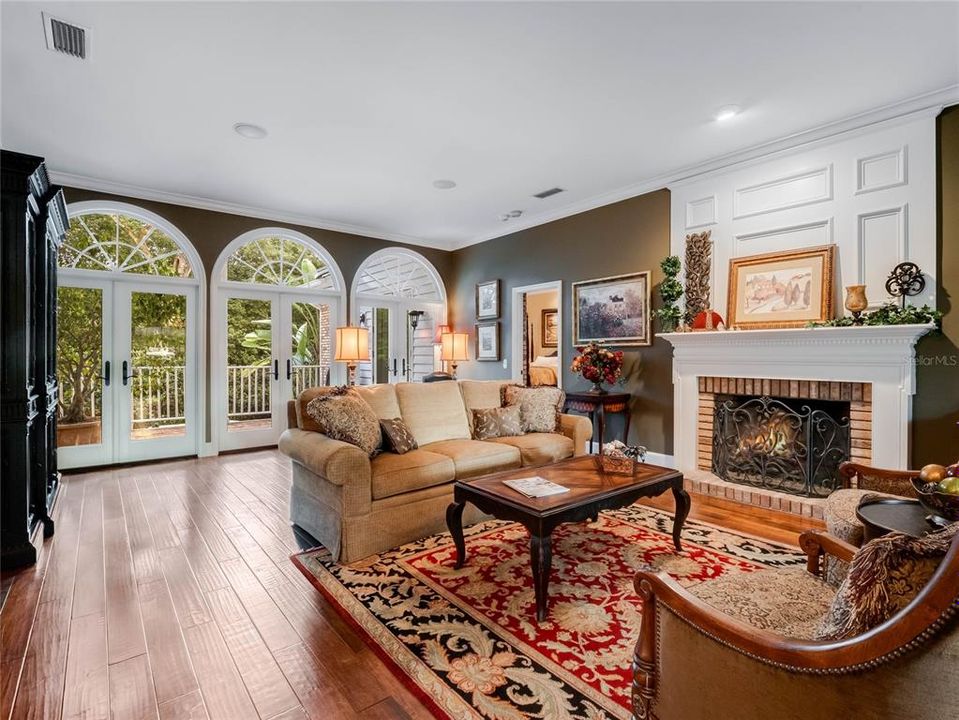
(925, 105)
(85, 182)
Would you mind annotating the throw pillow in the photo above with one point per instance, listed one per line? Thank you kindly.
(345, 416)
(489, 423)
(884, 576)
(397, 437)
(539, 406)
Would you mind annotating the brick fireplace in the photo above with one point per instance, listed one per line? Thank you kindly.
(851, 404)
(856, 368)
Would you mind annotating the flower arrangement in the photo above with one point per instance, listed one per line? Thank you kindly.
(598, 365)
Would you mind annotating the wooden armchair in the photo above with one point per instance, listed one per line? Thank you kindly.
(694, 661)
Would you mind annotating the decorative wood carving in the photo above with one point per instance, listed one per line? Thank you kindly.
(699, 252)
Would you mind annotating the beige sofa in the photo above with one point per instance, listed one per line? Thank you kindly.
(357, 506)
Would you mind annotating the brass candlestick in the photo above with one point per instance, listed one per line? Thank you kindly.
(856, 302)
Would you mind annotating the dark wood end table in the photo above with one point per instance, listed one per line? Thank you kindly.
(596, 405)
(881, 515)
(591, 490)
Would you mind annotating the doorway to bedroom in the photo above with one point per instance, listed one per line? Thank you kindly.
(537, 322)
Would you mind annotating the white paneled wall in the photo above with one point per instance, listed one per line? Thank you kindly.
(872, 192)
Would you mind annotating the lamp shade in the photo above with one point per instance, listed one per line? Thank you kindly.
(441, 330)
(454, 346)
(352, 344)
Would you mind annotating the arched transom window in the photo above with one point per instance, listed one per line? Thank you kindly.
(394, 273)
(118, 242)
(280, 260)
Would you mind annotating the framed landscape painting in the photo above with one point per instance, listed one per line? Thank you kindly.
(487, 300)
(781, 290)
(487, 341)
(612, 310)
(550, 329)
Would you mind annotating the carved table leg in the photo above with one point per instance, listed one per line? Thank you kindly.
(541, 558)
(454, 521)
(682, 510)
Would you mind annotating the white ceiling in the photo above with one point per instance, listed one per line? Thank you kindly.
(367, 103)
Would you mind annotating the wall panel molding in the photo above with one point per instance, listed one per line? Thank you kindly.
(882, 170)
(794, 190)
(701, 212)
(882, 243)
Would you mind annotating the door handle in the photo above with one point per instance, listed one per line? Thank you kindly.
(289, 369)
(394, 367)
(106, 374)
(276, 369)
(404, 368)
(123, 372)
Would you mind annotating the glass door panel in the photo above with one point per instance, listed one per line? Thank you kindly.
(155, 392)
(310, 345)
(85, 373)
(386, 357)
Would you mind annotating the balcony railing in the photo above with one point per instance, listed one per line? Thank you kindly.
(248, 387)
(157, 395)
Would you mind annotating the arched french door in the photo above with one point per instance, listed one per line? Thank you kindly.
(278, 297)
(129, 306)
(400, 297)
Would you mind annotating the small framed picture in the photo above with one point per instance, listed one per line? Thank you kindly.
(550, 330)
(487, 300)
(487, 341)
(782, 289)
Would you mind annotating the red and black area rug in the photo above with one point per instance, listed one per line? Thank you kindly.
(467, 641)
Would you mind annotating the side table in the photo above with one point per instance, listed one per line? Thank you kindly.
(881, 515)
(596, 406)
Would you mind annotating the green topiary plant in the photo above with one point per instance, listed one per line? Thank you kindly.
(670, 290)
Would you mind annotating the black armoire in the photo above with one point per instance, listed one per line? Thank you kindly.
(34, 218)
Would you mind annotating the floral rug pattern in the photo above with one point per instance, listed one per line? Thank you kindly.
(467, 641)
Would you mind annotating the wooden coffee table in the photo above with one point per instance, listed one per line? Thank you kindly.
(590, 490)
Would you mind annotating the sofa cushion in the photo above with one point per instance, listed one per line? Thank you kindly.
(482, 394)
(474, 457)
(344, 415)
(540, 448)
(433, 411)
(382, 398)
(394, 474)
(303, 419)
(540, 406)
(397, 437)
(489, 423)
(884, 576)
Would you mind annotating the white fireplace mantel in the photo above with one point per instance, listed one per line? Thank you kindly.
(883, 355)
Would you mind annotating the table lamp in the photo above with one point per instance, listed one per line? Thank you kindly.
(352, 347)
(454, 348)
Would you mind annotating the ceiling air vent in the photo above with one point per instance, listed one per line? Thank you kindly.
(65, 37)
(548, 193)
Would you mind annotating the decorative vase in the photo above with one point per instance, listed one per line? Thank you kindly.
(856, 302)
(597, 389)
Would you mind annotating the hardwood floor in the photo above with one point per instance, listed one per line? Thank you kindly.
(167, 592)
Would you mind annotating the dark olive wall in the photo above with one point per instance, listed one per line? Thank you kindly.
(935, 437)
(625, 237)
(211, 231)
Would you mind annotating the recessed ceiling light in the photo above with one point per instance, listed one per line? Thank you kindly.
(444, 184)
(727, 112)
(250, 132)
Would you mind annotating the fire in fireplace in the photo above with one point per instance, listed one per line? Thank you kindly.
(784, 444)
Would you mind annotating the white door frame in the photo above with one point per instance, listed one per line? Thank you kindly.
(517, 326)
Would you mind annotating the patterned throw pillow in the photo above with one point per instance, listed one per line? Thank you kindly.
(884, 576)
(492, 423)
(345, 416)
(397, 437)
(539, 406)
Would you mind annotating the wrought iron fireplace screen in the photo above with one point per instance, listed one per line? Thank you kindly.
(794, 446)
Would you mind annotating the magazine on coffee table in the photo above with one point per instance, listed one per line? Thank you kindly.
(536, 487)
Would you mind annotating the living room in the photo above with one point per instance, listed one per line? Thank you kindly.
(479, 360)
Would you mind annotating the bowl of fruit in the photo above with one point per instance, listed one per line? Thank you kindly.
(937, 488)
